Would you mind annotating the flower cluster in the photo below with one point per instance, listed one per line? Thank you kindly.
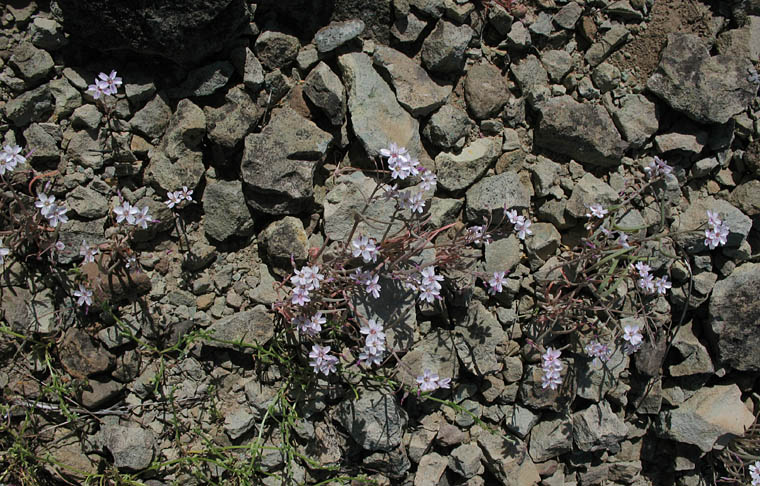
(305, 280)
(477, 235)
(754, 473)
(428, 285)
(429, 382)
(600, 352)
(10, 157)
(88, 252)
(310, 326)
(176, 197)
(105, 84)
(54, 212)
(321, 360)
(717, 233)
(3, 252)
(374, 343)
(658, 167)
(647, 282)
(369, 280)
(133, 215)
(632, 337)
(401, 164)
(521, 223)
(552, 367)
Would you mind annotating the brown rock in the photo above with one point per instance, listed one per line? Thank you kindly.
(116, 286)
(81, 356)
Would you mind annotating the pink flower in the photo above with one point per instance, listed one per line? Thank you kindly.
(373, 287)
(597, 211)
(496, 283)
(428, 381)
(84, 296)
(552, 368)
(364, 247)
(88, 252)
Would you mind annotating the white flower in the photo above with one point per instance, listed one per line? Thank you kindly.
(3, 252)
(521, 226)
(186, 193)
(300, 296)
(84, 295)
(57, 215)
(371, 355)
(11, 154)
(416, 203)
(646, 283)
(754, 472)
(125, 212)
(713, 219)
(45, 203)
(511, 215)
(622, 240)
(600, 352)
(175, 198)
(364, 247)
(321, 360)
(658, 167)
(310, 326)
(632, 334)
(394, 153)
(428, 381)
(142, 217)
(496, 283)
(596, 210)
(477, 235)
(642, 268)
(108, 83)
(429, 181)
(373, 287)
(374, 332)
(87, 252)
(307, 277)
(716, 236)
(98, 89)
(552, 368)
(662, 285)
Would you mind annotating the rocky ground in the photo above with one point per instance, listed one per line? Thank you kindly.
(544, 105)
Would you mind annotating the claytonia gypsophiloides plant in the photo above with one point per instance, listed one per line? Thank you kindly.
(754, 473)
(326, 302)
(430, 382)
(3, 252)
(105, 84)
(177, 197)
(10, 158)
(520, 223)
(717, 232)
(552, 368)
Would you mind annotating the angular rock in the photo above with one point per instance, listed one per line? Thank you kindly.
(598, 428)
(595, 381)
(414, 89)
(637, 119)
(435, 352)
(33, 65)
(254, 326)
(285, 239)
(508, 460)
(324, 89)
(31, 106)
(686, 138)
(276, 50)
(485, 90)
(87, 203)
(47, 34)
(503, 254)
(457, 172)
(707, 89)
(535, 396)
(408, 29)
(447, 126)
(45, 138)
(476, 338)
(746, 197)
(465, 460)
(557, 63)
(519, 420)
(237, 423)
(712, 416)
(600, 50)
(249, 67)
(589, 190)
(336, 34)
(226, 212)
(568, 15)
(152, 120)
(30, 313)
(67, 98)
(444, 48)
(394, 463)
(374, 421)
(376, 117)
(176, 30)
(97, 393)
(279, 163)
(229, 124)
(132, 447)
(204, 81)
(430, 469)
(488, 197)
(695, 358)
(81, 356)
(734, 311)
(551, 438)
(530, 75)
(395, 308)
(583, 131)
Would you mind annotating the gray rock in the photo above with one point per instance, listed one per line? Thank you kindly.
(447, 126)
(184, 33)
(85, 150)
(553, 211)
(519, 420)
(67, 98)
(712, 416)
(408, 29)
(323, 88)
(276, 50)
(435, 352)
(307, 57)
(544, 241)
(580, 130)
(508, 460)
(444, 48)
(695, 358)
(746, 197)
(376, 117)
(443, 211)
(457, 172)
(414, 89)
(542, 26)
(557, 63)
(336, 34)
(394, 463)
(278, 85)
(637, 119)
(623, 10)
(279, 163)
(87, 203)
(229, 124)
(31, 106)
(152, 120)
(733, 314)
(33, 65)
(606, 77)
(204, 81)
(485, 91)
(139, 90)
(535, 396)
(248, 66)
(132, 447)
(251, 326)
(47, 34)
(707, 89)
(500, 19)
(686, 138)
(487, 198)
(430, 469)
(431, 8)
(465, 460)
(87, 117)
(28, 312)
(596, 380)
(261, 398)
(568, 15)
(503, 255)
(226, 212)
(374, 421)
(600, 50)
(598, 428)
(476, 338)
(689, 226)
(285, 239)
(519, 37)
(45, 138)
(551, 438)
(530, 75)
(97, 393)
(237, 423)
(590, 190)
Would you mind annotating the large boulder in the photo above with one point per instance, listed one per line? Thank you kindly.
(183, 31)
